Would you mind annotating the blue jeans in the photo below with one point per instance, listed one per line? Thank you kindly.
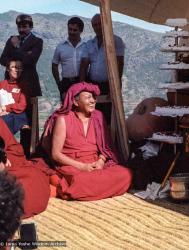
(15, 121)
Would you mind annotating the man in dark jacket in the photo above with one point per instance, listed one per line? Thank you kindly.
(27, 47)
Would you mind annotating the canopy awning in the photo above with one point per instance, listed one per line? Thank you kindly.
(154, 11)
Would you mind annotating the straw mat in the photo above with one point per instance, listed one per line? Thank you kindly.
(124, 222)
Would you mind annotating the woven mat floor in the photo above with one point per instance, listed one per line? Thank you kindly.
(124, 222)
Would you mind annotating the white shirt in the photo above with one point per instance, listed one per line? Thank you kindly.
(69, 57)
(98, 68)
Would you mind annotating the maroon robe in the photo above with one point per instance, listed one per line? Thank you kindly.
(73, 183)
(33, 175)
(77, 184)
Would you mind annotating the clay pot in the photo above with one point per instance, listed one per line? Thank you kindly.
(142, 124)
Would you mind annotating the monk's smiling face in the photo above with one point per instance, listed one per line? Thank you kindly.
(85, 102)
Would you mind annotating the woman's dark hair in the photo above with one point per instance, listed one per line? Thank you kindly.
(12, 59)
(78, 21)
(11, 199)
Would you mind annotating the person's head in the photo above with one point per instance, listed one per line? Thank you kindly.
(14, 69)
(72, 96)
(96, 24)
(75, 28)
(85, 102)
(24, 24)
(11, 208)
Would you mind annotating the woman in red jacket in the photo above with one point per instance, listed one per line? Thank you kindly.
(13, 97)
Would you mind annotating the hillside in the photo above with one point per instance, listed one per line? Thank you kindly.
(142, 56)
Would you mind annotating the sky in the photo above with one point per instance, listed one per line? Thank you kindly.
(71, 7)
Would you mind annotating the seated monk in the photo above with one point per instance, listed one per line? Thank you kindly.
(87, 168)
(32, 175)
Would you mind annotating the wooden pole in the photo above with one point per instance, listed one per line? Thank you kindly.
(170, 169)
(114, 81)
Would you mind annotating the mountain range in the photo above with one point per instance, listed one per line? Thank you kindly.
(142, 56)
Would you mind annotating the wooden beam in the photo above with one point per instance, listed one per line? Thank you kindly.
(34, 125)
(114, 81)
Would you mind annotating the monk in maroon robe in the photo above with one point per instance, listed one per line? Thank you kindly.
(32, 175)
(87, 168)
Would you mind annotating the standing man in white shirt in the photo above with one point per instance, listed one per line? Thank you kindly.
(93, 64)
(68, 54)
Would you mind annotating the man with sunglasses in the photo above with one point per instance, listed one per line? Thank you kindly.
(27, 47)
